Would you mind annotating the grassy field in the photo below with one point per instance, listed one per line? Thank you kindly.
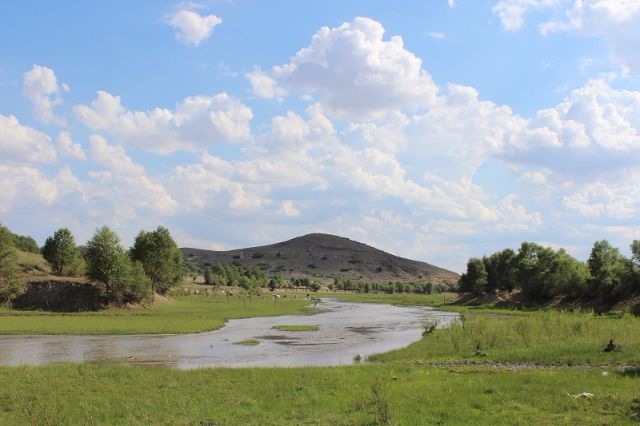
(435, 300)
(363, 395)
(181, 314)
(550, 337)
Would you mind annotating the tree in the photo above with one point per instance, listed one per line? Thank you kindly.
(160, 257)
(25, 243)
(208, 276)
(11, 283)
(137, 284)
(607, 267)
(474, 280)
(61, 252)
(501, 273)
(107, 262)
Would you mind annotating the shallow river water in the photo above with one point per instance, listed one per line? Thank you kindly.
(346, 329)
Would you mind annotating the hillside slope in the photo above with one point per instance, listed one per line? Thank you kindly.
(324, 256)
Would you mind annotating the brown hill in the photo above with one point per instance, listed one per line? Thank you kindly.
(324, 256)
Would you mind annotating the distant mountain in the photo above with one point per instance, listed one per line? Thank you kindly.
(324, 256)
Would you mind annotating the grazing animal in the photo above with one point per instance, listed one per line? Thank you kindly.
(275, 298)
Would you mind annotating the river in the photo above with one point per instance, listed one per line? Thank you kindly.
(346, 329)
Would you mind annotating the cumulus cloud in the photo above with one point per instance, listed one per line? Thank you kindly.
(192, 28)
(264, 86)
(40, 86)
(123, 187)
(357, 73)
(23, 143)
(592, 134)
(24, 185)
(67, 148)
(196, 123)
(511, 12)
(615, 21)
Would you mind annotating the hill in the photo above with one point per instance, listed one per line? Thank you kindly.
(324, 256)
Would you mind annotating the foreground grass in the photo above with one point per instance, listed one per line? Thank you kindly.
(95, 394)
(181, 314)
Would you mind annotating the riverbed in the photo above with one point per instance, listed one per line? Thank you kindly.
(346, 330)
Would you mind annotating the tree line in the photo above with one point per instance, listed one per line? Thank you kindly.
(543, 273)
(152, 265)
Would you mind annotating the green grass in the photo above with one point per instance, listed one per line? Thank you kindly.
(181, 314)
(367, 395)
(552, 337)
(247, 342)
(435, 300)
(296, 327)
(545, 337)
(33, 261)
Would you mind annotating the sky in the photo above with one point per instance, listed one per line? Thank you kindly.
(435, 130)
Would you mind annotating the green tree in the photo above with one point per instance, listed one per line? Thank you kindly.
(501, 272)
(11, 283)
(25, 243)
(137, 285)
(607, 267)
(160, 257)
(108, 263)
(61, 252)
(474, 280)
(208, 276)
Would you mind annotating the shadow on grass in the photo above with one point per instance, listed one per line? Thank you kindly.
(631, 372)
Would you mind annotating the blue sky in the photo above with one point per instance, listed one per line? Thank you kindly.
(436, 130)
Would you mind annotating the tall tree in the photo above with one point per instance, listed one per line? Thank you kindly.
(60, 251)
(607, 267)
(160, 257)
(107, 262)
(501, 273)
(208, 276)
(474, 280)
(10, 282)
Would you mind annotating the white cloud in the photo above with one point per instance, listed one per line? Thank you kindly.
(436, 34)
(196, 123)
(123, 189)
(67, 148)
(40, 86)
(191, 27)
(24, 186)
(264, 86)
(615, 21)
(511, 12)
(113, 157)
(357, 73)
(22, 143)
(594, 132)
(288, 209)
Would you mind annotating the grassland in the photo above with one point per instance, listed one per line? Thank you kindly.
(536, 336)
(293, 327)
(180, 314)
(96, 394)
(397, 389)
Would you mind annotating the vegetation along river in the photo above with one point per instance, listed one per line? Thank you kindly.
(346, 329)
